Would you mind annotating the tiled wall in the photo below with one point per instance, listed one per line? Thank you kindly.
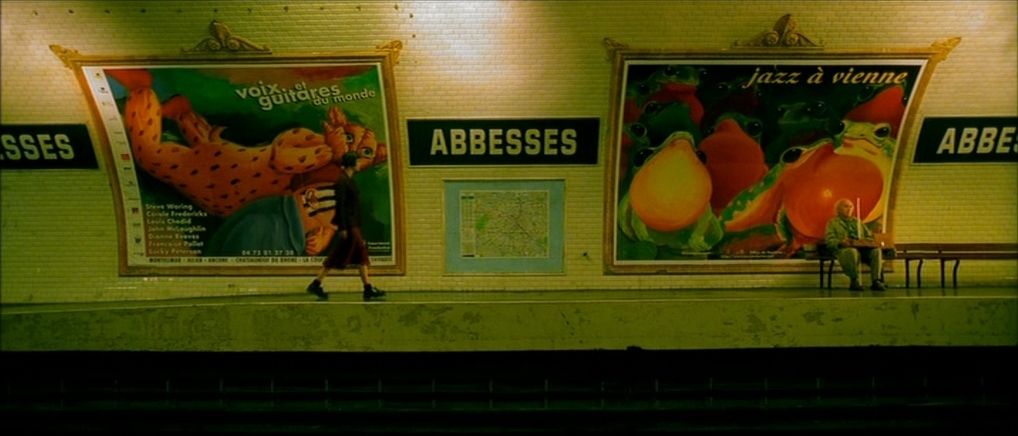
(493, 59)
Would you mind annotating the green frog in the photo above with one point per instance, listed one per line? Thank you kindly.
(798, 194)
(875, 143)
(800, 124)
(870, 139)
(664, 213)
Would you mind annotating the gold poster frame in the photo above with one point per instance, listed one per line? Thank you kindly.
(236, 55)
(767, 50)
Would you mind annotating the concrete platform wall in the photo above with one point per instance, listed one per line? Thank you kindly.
(555, 321)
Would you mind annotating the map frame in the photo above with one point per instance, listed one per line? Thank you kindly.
(456, 263)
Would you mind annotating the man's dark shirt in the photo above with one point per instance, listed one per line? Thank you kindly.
(348, 203)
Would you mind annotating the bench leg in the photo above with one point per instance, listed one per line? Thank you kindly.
(954, 274)
(919, 274)
(906, 272)
(942, 273)
(822, 273)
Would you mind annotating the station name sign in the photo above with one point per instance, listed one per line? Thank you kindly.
(967, 140)
(546, 141)
(46, 146)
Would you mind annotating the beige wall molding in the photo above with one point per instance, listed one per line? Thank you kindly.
(944, 47)
(222, 41)
(613, 45)
(66, 55)
(394, 48)
(784, 34)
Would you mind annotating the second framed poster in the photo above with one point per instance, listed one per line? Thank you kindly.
(733, 161)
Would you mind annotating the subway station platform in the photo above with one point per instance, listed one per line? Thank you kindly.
(806, 361)
(525, 321)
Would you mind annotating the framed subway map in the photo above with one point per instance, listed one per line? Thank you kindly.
(504, 226)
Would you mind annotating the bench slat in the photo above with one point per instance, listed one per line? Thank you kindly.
(946, 252)
(958, 247)
(938, 251)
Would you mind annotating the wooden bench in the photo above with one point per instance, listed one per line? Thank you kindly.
(946, 252)
(827, 262)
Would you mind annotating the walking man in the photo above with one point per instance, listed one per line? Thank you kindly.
(351, 250)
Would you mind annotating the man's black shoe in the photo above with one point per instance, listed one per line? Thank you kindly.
(878, 286)
(374, 294)
(855, 286)
(316, 289)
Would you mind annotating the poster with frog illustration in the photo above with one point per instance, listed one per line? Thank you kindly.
(729, 163)
(228, 167)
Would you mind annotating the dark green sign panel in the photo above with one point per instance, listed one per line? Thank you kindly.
(46, 146)
(548, 141)
(967, 140)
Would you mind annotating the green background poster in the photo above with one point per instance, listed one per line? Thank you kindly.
(225, 166)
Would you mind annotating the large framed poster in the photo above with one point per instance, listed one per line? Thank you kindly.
(225, 165)
(732, 161)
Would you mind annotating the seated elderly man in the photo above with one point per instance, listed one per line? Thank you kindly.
(843, 238)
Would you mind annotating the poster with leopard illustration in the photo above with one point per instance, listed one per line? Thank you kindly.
(227, 167)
